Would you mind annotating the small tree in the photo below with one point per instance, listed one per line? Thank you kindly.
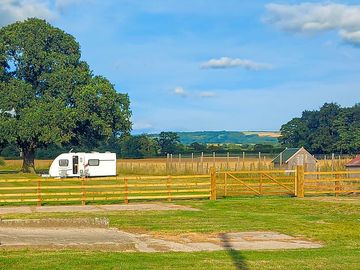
(140, 146)
(49, 96)
(198, 147)
(168, 142)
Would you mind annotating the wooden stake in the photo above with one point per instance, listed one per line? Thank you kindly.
(337, 185)
(192, 162)
(299, 192)
(227, 160)
(213, 184)
(243, 160)
(39, 192)
(225, 184)
(126, 191)
(202, 162)
(259, 165)
(168, 188)
(83, 199)
(171, 163)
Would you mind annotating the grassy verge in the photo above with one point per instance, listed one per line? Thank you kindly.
(335, 224)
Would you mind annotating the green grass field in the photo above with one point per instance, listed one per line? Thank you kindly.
(336, 224)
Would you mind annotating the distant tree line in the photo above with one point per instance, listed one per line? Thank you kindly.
(143, 146)
(331, 129)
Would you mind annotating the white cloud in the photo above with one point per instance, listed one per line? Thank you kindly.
(63, 4)
(180, 91)
(207, 94)
(18, 10)
(316, 17)
(226, 62)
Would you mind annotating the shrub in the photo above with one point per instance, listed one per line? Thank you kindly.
(2, 161)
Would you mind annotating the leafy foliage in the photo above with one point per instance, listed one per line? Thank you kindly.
(48, 95)
(2, 161)
(140, 146)
(168, 142)
(330, 129)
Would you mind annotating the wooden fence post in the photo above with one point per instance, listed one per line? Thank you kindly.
(260, 184)
(192, 162)
(202, 162)
(299, 185)
(39, 192)
(126, 191)
(213, 183)
(214, 159)
(225, 184)
(227, 160)
(169, 188)
(83, 199)
(243, 161)
(337, 185)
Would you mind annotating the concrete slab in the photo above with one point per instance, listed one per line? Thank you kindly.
(94, 208)
(117, 240)
(15, 209)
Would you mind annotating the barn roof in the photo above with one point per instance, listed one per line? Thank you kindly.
(354, 163)
(286, 154)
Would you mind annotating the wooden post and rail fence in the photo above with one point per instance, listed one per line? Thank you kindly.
(211, 186)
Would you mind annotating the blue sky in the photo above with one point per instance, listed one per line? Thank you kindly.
(213, 65)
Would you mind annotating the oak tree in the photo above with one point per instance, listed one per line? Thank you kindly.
(48, 95)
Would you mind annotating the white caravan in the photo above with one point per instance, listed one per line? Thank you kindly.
(83, 164)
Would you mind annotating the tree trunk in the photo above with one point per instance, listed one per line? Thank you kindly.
(28, 159)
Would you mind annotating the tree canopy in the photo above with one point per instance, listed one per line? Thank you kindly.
(328, 130)
(168, 142)
(48, 95)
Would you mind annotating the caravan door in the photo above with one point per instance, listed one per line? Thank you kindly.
(78, 161)
(75, 165)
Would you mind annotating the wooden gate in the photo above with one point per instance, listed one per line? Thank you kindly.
(274, 182)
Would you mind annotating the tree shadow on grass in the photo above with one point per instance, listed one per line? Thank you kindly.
(9, 171)
(237, 258)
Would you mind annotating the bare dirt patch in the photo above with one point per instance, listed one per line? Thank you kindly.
(94, 234)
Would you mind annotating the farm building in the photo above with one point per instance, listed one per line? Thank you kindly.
(354, 165)
(292, 157)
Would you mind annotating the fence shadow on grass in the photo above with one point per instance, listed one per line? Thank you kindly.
(236, 256)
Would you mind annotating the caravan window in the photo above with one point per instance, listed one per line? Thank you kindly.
(94, 162)
(63, 162)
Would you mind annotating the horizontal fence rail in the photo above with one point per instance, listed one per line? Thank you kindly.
(85, 190)
(209, 186)
(332, 183)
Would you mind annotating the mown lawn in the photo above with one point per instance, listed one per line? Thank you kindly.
(335, 224)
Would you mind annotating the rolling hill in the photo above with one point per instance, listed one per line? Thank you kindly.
(222, 137)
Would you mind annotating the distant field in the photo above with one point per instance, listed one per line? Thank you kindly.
(273, 134)
(180, 165)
